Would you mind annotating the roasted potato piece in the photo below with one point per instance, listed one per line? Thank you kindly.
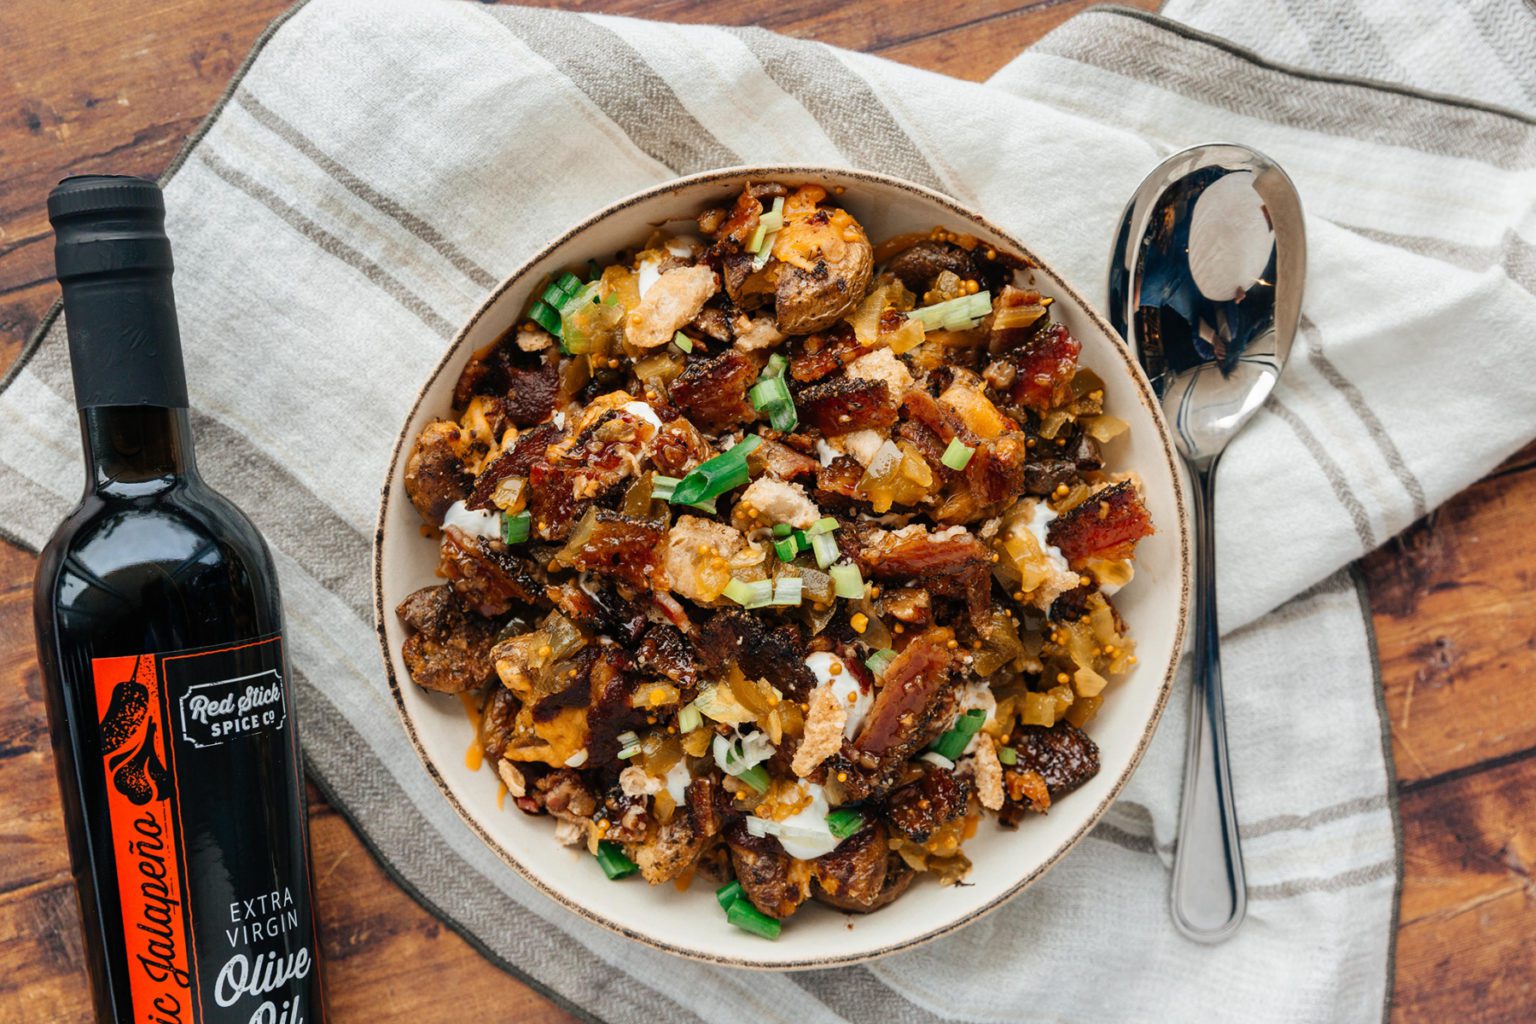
(449, 649)
(827, 262)
(435, 476)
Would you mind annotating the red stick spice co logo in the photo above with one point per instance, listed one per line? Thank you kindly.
(212, 713)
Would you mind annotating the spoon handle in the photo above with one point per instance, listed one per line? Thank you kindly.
(1209, 895)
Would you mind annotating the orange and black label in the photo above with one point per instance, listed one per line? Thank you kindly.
(206, 805)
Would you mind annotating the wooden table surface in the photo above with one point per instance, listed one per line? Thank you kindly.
(81, 91)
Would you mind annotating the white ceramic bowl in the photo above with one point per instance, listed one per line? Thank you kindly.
(691, 923)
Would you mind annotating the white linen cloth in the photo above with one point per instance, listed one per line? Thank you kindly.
(379, 164)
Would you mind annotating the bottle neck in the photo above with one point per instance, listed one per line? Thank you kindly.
(135, 450)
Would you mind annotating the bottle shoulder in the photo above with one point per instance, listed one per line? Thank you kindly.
(185, 552)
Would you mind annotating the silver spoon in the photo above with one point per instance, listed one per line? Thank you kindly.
(1205, 285)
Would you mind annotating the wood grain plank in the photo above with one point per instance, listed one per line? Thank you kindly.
(1456, 629)
(1468, 934)
(975, 51)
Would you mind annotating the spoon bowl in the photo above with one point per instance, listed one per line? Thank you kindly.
(1205, 286)
(1209, 293)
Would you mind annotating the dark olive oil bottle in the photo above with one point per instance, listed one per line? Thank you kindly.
(159, 631)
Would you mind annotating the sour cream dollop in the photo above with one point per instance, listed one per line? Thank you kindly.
(804, 834)
(475, 522)
(676, 781)
(1038, 521)
(844, 686)
(643, 410)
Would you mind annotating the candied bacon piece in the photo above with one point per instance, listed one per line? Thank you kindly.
(814, 356)
(617, 545)
(679, 447)
(664, 650)
(846, 404)
(937, 418)
(918, 809)
(1107, 526)
(995, 474)
(910, 684)
(780, 461)
(600, 611)
(958, 566)
(713, 392)
(552, 502)
(1047, 363)
(775, 655)
(489, 581)
(741, 222)
(611, 683)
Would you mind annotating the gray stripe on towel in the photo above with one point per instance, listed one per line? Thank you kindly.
(844, 104)
(327, 242)
(1384, 443)
(1331, 470)
(613, 75)
(391, 208)
(1149, 50)
(1333, 883)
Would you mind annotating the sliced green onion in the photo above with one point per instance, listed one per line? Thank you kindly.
(954, 314)
(776, 365)
(610, 857)
(824, 547)
(757, 236)
(784, 418)
(774, 218)
(848, 581)
(629, 745)
(769, 392)
(801, 540)
(878, 661)
(682, 341)
(756, 777)
(689, 719)
(561, 289)
(787, 591)
(543, 314)
(1007, 755)
(782, 529)
(745, 916)
(957, 455)
(953, 743)
(663, 486)
(844, 822)
(713, 477)
(787, 549)
(750, 595)
(764, 252)
(515, 529)
(826, 524)
(728, 894)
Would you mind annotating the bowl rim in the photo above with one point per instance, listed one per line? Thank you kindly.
(1144, 394)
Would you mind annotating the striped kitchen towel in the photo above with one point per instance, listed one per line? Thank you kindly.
(379, 164)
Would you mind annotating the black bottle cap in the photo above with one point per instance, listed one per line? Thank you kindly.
(114, 262)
